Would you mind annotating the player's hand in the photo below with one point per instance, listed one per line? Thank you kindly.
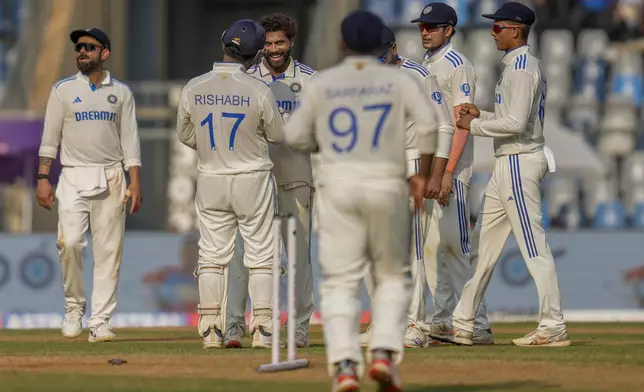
(45, 194)
(465, 121)
(133, 193)
(471, 109)
(417, 186)
(446, 188)
(433, 188)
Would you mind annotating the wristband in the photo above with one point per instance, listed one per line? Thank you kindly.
(43, 177)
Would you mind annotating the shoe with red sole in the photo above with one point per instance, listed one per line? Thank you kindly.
(383, 371)
(346, 377)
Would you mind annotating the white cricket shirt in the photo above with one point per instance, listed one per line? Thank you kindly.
(291, 168)
(229, 117)
(93, 125)
(356, 115)
(456, 80)
(520, 98)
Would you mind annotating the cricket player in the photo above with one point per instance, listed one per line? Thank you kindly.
(292, 169)
(92, 117)
(228, 117)
(356, 115)
(447, 248)
(512, 201)
(415, 336)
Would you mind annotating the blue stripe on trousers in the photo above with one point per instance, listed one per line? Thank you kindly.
(462, 216)
(418, 223)
(522, 209)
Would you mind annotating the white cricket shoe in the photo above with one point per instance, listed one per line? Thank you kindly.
(262, 338)
(234, 336)
(73, 323)
(365, 337)
(301, 339)
(540, 339)
(441, 331)
(100, 333)
(482, 337)
(213, 338)
(415, 337)
(462, 337)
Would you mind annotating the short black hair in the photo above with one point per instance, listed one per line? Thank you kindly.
(234, 52)
(525, 31)
(279, 22)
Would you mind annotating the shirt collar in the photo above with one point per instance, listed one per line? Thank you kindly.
(221, 66)
(433, 57)
(106, 80)
(366, 59)
(511, 55)
(289, 73)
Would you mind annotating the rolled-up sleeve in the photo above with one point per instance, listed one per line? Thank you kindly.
(416, 103)
(53, 127)
(443, 117)
(130, 143)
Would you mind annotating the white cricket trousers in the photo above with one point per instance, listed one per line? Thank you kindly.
(447, 258)
(226, 203)
(512, 203)
(295, 200)
(105, 214)
(363, 226)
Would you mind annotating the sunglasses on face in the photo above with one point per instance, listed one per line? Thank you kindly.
(87, 47)
(499, 28)
(430, 27)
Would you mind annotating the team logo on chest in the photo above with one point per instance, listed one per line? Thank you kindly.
(111, 98)
(296, 87)
(437, 96)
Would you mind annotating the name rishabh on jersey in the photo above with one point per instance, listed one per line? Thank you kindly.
(457, 81)
(229, 117)
(290, 167)
(94, 125)
(356, 114)
(430, 87)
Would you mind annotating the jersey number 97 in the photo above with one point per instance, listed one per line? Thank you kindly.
(349, 133)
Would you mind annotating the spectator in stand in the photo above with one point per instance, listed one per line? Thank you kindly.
(627, 20)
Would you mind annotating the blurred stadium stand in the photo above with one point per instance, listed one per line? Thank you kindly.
(590, 50)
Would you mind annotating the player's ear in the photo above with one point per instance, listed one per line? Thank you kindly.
(105, 54)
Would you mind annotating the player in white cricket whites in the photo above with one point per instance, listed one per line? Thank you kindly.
(415, 336)
(92, 117)
(356, 114)
(228, 117)
(292, 169)
(447, 248)
(512, 201)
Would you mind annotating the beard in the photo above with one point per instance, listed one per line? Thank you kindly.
(277, 64)
(87, 67)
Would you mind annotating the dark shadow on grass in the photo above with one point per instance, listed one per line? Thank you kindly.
(144, 340)
(511, 386)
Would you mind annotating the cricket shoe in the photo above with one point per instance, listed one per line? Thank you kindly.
(383, 371)
(234, 336)
(100, 333)
(365, 337)
(213, 338)
(462, 337)
(541, 339)
(262, 338)
(415, 337)
(441, 331)
(301, 339)
(346, 377)
(73, 323)
(482, 337)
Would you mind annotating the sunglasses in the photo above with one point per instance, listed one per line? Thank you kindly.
(87, 47)
(430, 26)
(499, 28)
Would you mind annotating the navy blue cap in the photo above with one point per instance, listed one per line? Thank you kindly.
(437, 13)
(388, 37)
(247, 35)
(515, 12)
(95, 33)
(362, 32)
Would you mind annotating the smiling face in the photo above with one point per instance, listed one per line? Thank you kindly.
(277, 49)
(90, 54)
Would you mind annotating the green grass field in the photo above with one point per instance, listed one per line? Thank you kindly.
(604, 357)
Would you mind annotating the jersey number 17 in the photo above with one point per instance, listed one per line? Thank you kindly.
(239, 117)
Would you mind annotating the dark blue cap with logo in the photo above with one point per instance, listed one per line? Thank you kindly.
(95, 33)
(247, 35)
(515, 12)
(388, 37)
(362, 32)
(437, 13)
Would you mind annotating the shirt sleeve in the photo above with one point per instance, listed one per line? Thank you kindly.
(300, 128)
(272, 121)
(415, 104)
(486, 115)
(443, 117)
(53, 127)
(185, 126)
(463, 82)
(520, 87)
(130, 143)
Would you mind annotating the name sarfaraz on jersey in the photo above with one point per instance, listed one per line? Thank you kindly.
(226, 100)
(95, 116)
(361, 91)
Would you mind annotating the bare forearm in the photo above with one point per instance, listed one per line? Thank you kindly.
(438, 168)
(425, 164)
(458, 146)
(135, 175)
(44, 165)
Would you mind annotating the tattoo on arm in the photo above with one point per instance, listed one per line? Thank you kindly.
(44, 165)
(44, 161)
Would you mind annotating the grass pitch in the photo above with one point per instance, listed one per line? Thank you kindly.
(604, 357)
